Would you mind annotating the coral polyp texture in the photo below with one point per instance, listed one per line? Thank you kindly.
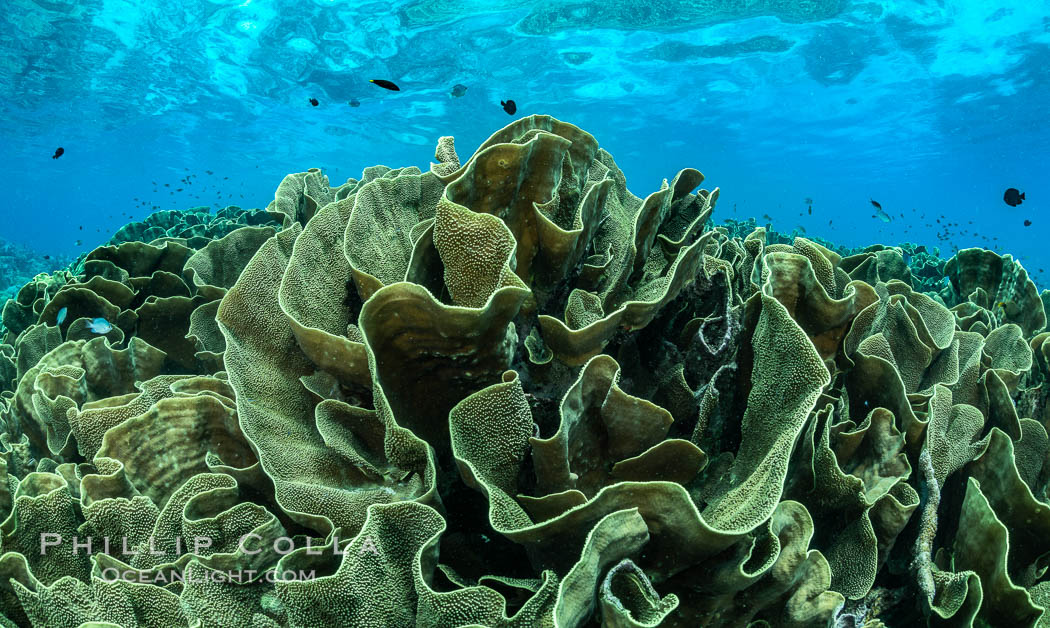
(509, 392)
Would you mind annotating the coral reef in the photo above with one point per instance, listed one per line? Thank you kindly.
(508, 392)
(19, 264)
(193, 227)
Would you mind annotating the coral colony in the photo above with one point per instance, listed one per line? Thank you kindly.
(510, 392)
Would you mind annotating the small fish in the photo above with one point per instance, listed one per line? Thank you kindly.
(385, 84)
(313, 101)
(355, 102)
(458, 90)
(209, 172)
(61, 316)
(78, 243)
(47, 257)
(767, 217)
(1013, 197)
(876, 204)
(509, 106)
(100, 326)
(810, 210)
(1027, 223)
(81, 227)
(58, 152)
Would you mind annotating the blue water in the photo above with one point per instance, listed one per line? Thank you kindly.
(930, 108)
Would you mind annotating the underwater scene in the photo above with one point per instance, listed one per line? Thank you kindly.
(454, 313)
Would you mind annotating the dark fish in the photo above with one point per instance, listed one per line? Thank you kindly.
(385, 84)
(81, 227)
(1027, 223)
(78, 243)
(509, 106)
(355, 102)
(47, 257)
(313, 101)
(58, 152)
(458, 90)
(209, 172)
(880, 213)
(810, 210)
(1012, 197)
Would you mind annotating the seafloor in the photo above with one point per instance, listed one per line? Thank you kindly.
(509, 392)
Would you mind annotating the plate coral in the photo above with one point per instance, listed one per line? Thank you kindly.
(508, 392)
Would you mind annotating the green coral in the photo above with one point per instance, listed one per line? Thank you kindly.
(196, 226)
(508, 392)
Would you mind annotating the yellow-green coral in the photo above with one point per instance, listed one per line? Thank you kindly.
(509, 392)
